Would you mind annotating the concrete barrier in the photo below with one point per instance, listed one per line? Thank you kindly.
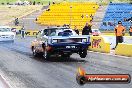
(124, 49)
(112, 40)
(99, 44)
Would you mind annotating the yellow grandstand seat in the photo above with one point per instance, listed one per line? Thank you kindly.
(73, 13)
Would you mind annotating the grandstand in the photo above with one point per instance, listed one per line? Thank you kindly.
(70, 13)
(114, 13)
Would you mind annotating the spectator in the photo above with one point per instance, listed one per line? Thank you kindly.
(119, 32)
(104, 23)
(86, 15)
(87, 29)
(130, 30)
(34, 3)
(64, 25)
(3, 3)
(82, 16)
(53, 2)
(91, 16)
(23, 32)
(76, 30)
(30, 2)
(16, 21)
(36, 19)
(49, 3)
(129, 19)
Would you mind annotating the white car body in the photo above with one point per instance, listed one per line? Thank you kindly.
(96, 32)
(6, 34)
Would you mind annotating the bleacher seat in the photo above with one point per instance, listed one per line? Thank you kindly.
(114, 13)
(73, 13)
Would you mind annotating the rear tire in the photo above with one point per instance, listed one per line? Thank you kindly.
(35, 54)
(46, 54)
(83, 53)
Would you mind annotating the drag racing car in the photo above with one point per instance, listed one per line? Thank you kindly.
(6, 34)
(60, 41)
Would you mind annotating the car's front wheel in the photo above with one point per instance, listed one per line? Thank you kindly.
(83, 53)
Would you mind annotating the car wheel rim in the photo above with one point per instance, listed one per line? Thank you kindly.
(34, 52)
(45, 54)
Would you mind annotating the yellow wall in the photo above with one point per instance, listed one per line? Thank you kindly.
(31, 32)
(99, 44)
(124, 49)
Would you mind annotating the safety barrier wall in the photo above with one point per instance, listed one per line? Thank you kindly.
(99, 44)
(124, 49)
(112, 40)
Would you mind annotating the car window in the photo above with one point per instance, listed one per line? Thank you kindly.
(65, 33)
(5, 29)
(50, 32)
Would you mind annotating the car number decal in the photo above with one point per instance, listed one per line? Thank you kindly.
(70, 47)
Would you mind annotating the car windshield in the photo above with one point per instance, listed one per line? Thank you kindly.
(5, 29)
(51, 31)
(65, 33)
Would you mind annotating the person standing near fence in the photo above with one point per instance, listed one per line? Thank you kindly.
(87, 29)
(76, 30)
(23, 32)
(119, 32)
(16, 21)
(130, 30)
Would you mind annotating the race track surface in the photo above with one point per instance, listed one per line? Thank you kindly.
(22, 70)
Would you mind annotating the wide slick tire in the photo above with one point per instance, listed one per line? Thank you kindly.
(83, 53)
(46, 54)
(35, 54)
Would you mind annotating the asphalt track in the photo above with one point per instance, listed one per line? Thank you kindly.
(22, 70)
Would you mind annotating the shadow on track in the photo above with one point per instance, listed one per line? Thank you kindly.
(58, 59)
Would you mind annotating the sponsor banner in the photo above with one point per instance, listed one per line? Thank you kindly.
(99, 44)
(29, 32)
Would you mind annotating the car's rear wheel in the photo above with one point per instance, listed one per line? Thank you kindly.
(46, 54)
(35, 54)
(83, 53)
